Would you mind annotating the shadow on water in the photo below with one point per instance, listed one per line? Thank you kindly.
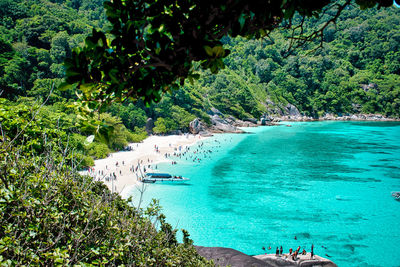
(385, 166)
(174, 184)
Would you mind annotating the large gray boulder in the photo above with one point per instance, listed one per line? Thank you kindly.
(277, 112)
(230, 120)
(240, 123)
(228, 256)
(196, 126)
(149, 125)
(301, 261)
(292, 110)
(225, 128)
(252, 120)
(220, 125)
(216, 119)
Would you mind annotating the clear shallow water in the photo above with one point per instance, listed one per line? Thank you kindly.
(327, 183)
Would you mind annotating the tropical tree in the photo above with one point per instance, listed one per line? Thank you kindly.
(152, 45)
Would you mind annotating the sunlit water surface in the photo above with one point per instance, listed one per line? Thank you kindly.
(327, 183)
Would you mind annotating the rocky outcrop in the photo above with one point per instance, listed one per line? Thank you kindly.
(230, 120)
(229, 124)
(240, 123)
(334, 117)
(268, 120)
(220, 125)
(357, 117)
(292, 110)
(289, 112)
(301, 261)
(227, 256)
(273, 109)
(277, 112)
(149, 125)
(252, 120)
(196, 126)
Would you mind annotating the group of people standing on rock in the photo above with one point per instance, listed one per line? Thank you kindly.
(293, 254)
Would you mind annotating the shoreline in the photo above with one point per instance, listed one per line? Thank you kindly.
(127, 166)
(121, 170)
(332, 117)
(273, 257)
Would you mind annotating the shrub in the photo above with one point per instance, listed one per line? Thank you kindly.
(98, 150)
(50, 215)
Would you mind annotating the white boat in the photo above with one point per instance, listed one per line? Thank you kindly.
(162, 177)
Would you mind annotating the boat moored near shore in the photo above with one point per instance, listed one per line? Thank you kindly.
(162, 177)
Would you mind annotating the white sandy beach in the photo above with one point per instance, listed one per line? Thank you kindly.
(145, 154)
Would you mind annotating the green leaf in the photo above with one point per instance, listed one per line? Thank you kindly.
(209, 50)
(218, 51)
(65, 86)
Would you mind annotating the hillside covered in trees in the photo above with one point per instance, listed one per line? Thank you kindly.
(50, 215)
(356, 71)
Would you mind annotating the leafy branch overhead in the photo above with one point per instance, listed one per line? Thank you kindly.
(151, 45)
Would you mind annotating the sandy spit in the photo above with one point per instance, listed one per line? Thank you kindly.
(149, 152)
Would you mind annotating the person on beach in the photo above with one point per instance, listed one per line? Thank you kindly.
(304, 252)
(290, 251)
(281, 251)
(277, 251)
(312, 251)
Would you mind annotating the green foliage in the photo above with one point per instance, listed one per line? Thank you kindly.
(182, 117)
(98, 150)
(152, 45)
(160, 126)
(50, 215)
(118, 136)
(35, 39)
(138, 135)
(352, 73)
(36, 128)
(131, 115)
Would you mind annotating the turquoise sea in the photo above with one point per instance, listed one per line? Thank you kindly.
(325, 183)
